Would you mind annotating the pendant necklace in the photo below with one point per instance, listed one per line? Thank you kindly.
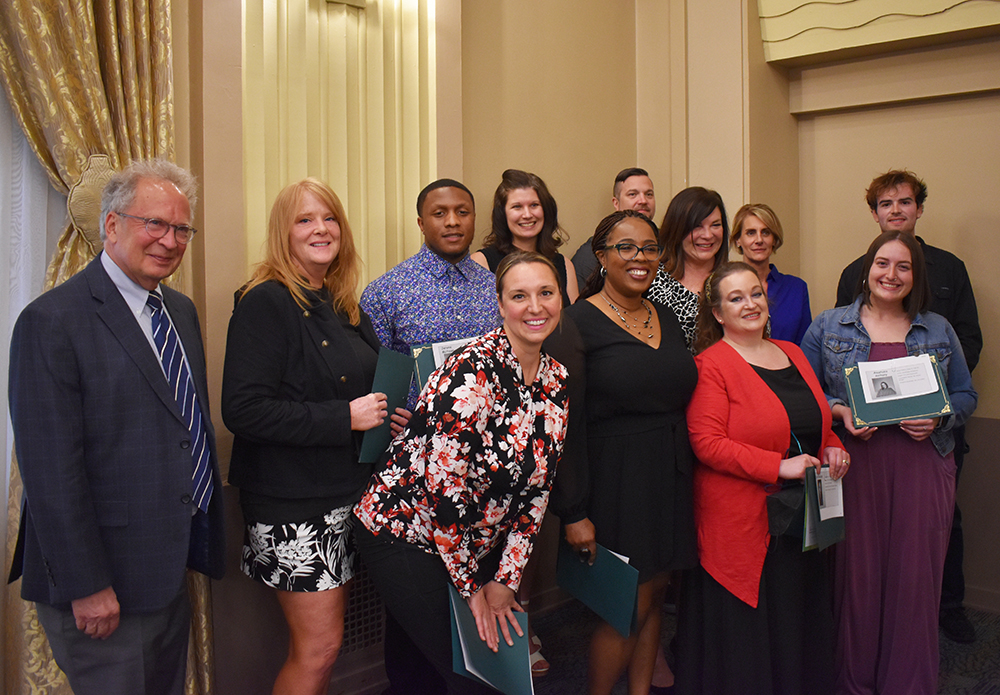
(636, 328)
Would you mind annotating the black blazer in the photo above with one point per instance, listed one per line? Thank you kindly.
(103, 450)
(286, 393)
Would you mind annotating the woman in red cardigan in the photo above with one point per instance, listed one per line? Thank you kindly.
(755, 615)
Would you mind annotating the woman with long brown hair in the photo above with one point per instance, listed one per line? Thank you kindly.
(693, 236)
(899, 504)
(525, 217)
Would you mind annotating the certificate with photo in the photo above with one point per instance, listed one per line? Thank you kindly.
(890, 391)
(824, 517)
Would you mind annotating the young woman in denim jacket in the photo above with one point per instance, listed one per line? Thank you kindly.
(899, 497)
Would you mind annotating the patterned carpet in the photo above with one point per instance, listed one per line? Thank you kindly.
(966, 669)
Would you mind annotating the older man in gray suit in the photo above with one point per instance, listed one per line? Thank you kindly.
(109, 403)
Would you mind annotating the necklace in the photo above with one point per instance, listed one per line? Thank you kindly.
(645, 324)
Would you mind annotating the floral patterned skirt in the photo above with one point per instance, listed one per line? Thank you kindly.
(314, 555)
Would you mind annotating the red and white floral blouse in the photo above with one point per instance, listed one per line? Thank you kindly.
(474, 467)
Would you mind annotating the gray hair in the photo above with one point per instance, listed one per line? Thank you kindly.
(119, 192)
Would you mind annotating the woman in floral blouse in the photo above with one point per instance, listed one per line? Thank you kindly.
(468, 480)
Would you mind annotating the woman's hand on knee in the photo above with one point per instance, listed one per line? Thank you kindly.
(495, 601)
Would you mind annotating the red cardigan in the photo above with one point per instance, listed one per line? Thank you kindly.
(739, 431)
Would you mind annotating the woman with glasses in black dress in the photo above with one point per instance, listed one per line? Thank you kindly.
(625, 477)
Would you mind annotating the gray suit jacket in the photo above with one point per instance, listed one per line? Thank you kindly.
(103, 451)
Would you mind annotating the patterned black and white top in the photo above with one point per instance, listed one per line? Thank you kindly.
(669, 291)
(474, 467)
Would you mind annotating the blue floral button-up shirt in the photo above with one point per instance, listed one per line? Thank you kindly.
(426, 299)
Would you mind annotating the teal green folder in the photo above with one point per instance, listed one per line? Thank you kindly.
(608, 587)
(829, 531)
(392, 377)
(423, 363)
(508, 670)
(929, 405)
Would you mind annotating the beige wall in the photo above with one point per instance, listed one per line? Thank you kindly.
(717, 91)
(661, 94)
(550, 88)
(741, 139)
(947, 131)
(208, 89)
(772, 165)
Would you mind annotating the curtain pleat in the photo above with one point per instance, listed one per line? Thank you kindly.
(346, 95)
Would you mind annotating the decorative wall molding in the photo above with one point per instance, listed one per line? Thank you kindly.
(807, 30)
(937, 72)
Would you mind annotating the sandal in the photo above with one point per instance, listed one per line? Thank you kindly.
(539, 666)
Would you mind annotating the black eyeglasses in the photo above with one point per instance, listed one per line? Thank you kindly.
(158, 228)
(629, 252)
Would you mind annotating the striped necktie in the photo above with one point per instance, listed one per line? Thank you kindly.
(179, 378)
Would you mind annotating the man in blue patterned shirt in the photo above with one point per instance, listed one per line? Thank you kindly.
(440, 293)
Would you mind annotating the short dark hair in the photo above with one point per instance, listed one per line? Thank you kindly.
(441, 183)
(894, 179)
(500, 236)
(626, 174)
(919, 298)
(708, 331)
(685, 212)
(604, 228)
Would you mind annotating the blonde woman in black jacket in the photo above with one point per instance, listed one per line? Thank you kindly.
(300, 360)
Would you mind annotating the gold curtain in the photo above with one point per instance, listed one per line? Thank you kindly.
(86, 78)
(347, 95)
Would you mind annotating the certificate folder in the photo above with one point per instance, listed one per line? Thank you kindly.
(508, 669)
(423, 364)
(392, 377)
(890, 412)
(819, 533)
(608, 587)
(429, 357)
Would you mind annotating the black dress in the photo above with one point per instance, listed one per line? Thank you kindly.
(494, 256)
(627, 464)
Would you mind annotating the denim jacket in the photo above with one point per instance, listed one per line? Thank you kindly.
(838, 339)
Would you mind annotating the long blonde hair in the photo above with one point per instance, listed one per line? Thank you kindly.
(343, 274)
